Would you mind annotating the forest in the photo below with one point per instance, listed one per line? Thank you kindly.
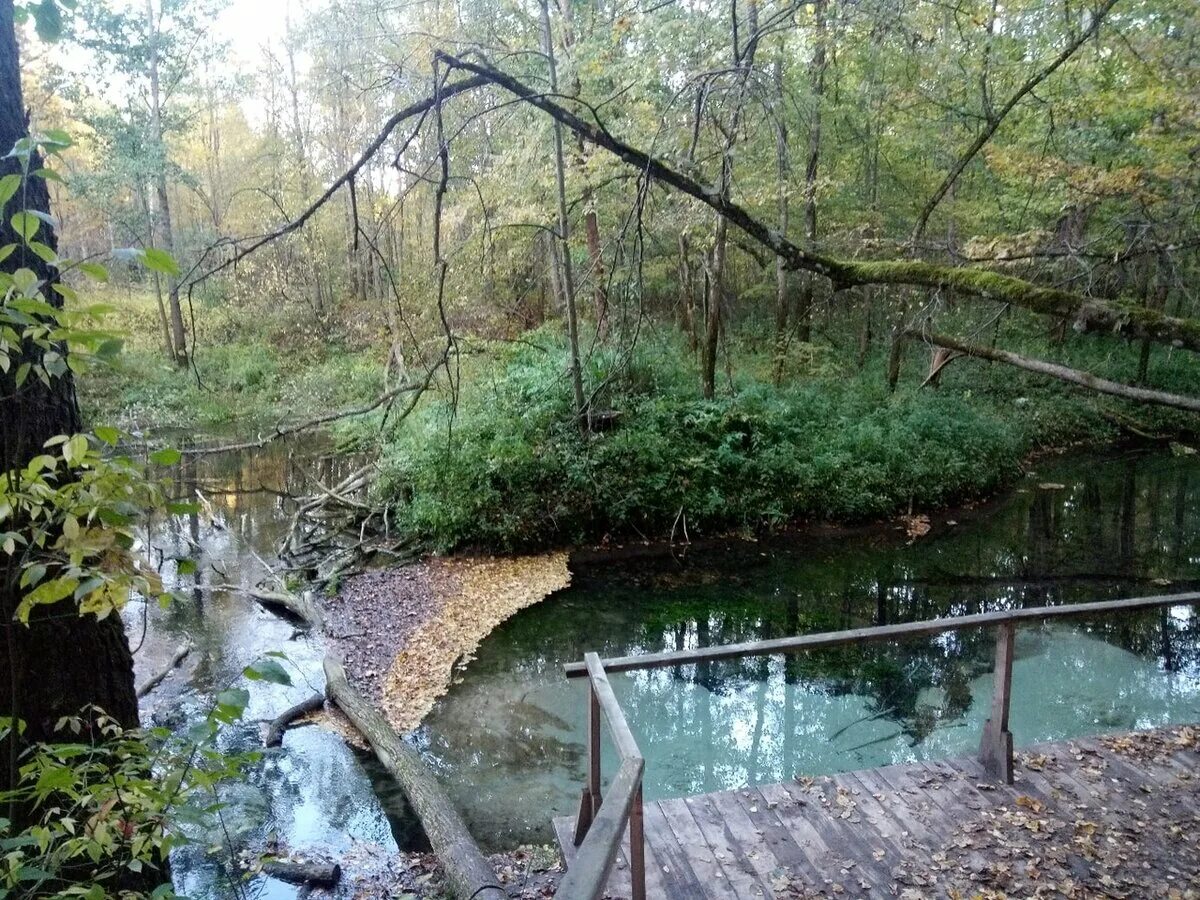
(364, 364)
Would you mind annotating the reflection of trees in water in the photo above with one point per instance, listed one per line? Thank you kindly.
(1115, 529)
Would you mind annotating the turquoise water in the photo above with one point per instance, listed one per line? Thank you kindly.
(508, 738)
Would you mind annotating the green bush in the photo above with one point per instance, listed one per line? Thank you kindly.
(509, 470)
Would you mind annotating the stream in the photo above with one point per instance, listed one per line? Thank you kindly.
(508, 739)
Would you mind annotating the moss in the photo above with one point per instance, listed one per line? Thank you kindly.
(1129, 318)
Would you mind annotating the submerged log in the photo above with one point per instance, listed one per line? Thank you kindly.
(468, 872)
(324, 875)
(284, 720)
(156, 679)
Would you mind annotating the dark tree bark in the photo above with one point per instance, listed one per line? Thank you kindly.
(61, 662)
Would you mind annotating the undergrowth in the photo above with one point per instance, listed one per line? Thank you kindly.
(506, 469)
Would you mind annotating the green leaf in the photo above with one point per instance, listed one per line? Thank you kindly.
(267, 670)
(9, 185)
(186, 567)
(25, 224)
(167, 456)
(160, 261)
(6, 251)
(94, 270)
(44, 252)
(48, 20)
(75, 449)
(48, 175)
(108, 434)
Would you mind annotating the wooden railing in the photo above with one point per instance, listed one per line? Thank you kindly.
(600, 827)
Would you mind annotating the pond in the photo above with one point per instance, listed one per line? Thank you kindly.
(508, 739)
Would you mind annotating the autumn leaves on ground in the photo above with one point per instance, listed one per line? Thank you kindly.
(402, 632)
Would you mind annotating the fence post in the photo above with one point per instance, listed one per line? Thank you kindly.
(637, 846)
(589, 801)
(996, 746)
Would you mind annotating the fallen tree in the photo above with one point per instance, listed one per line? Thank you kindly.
(1061, 372)
(322, 875)
(468, 872)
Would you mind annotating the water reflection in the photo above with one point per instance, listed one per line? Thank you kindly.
(508, 738)
(314, 794)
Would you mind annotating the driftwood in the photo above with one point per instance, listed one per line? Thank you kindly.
(298, 606)
(156, 679)
(324, 875)
(1062, 373)
(468, 873)
(283, 721)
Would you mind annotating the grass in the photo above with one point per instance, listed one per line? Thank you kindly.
(251, 368)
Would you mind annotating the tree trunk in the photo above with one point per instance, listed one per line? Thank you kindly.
(1062, 373)
(816, 74)
(591, 223)
(165, 230)
(564, 233)
(743, 58)
(58, 664)
(782, 173)
(469, 874)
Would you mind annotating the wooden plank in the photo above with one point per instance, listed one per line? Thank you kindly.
(879, 633)
(790, 808)
(595, 857)
(855, 862)
(731, 855)
(752, 840)
(622, 736)
(912, 802)
(762, 813)
(714, 882)
(674, 870)
(897, 803)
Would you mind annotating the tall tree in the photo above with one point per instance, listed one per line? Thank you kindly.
(62, 661)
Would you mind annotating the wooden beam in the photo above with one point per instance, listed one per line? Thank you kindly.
(996, 745)
(880, 633)
(622, 735)
(588, 874)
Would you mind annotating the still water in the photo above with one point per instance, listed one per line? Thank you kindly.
(508, 738)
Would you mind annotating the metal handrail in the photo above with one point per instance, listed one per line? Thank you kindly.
(600, 824)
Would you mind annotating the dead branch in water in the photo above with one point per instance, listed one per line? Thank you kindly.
(156, 679)
(284, 720)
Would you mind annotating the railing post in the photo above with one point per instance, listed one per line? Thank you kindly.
(996, 747)
(589, 801)
(637, 846)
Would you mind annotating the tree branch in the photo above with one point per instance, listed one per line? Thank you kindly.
(993, 119)
(1062, 373)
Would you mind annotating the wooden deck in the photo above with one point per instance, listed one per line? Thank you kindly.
(1115, 816)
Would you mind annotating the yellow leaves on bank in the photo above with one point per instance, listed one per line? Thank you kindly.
(477, 594)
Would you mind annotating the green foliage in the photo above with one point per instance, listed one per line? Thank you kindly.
(112, 803)
(513, 472)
